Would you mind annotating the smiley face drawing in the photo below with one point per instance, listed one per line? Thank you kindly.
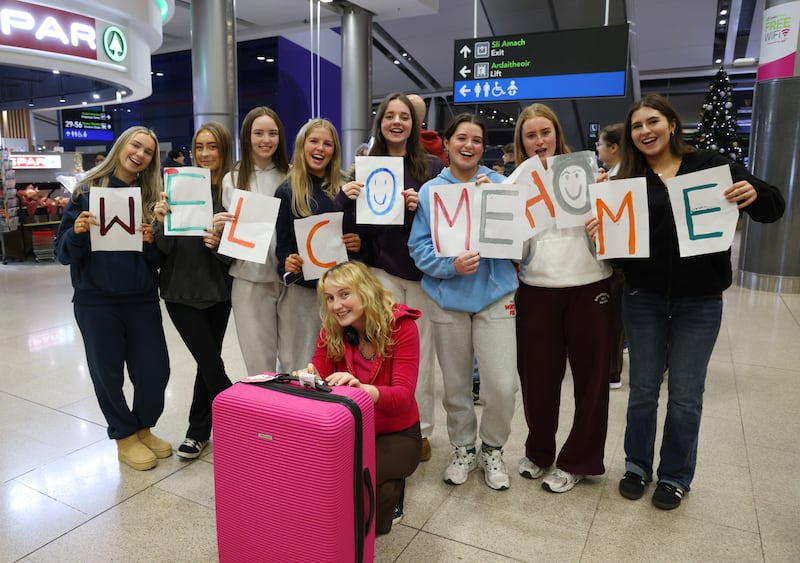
(381, 191)
(571, 177)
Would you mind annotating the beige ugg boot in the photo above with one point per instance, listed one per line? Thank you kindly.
(159, 447)
(133, 453)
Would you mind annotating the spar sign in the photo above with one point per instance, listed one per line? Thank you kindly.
(40, 28)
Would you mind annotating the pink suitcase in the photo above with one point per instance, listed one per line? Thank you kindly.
(294, 473)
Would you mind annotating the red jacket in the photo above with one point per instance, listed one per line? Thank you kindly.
(394, 376)
(432, 143)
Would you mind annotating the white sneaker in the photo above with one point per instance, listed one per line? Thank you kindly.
(560, 481)
(530, 470)
(461, 463)
(494, 468)
(615, 385)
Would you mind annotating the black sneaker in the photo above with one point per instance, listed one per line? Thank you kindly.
(191, 449)
(476, 393)
(631, 486)
(667, 496)
(398, 508)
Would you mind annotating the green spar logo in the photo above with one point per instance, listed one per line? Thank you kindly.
(114, 44)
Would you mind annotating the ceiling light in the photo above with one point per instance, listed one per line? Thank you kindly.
(159, 74)
(723, 22)
(745, 61)
(96, 96)
(270, 60)
(723, 12)
(84, 102)
(718, 61)
(30, 103)
(261, 58)
(56, 71)
(62, 100)
(396, 62)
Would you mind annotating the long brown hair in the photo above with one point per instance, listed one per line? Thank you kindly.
(632, 162)
(378, 308)
(414, 149)
(298, 174)
(225, 147)
(538, 110)
(246, 162)
(149, 179)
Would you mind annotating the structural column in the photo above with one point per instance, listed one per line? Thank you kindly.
(768, 258)
(214, 80)
(356, 79)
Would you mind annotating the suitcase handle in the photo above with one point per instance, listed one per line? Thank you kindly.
(371, 491)
(319, 384)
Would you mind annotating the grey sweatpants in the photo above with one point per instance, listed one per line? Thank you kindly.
(490, 336)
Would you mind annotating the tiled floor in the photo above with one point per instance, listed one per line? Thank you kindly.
(64, 496)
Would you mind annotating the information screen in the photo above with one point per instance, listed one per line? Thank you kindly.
(578, 63)
(86, 125)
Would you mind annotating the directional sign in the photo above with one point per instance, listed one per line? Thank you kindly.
(87, 125)
(590, 63)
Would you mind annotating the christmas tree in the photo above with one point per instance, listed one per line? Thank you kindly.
(717, 130)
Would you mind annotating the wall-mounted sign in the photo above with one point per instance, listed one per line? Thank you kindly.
(591, 63)
(86, 125)
(40, 28)
(39, 161)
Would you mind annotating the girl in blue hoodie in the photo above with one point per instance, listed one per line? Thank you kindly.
(473, 314)
(116, 302)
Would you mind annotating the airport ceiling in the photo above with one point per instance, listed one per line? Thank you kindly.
(673, 49)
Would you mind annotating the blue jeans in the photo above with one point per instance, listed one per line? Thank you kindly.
(683, 331)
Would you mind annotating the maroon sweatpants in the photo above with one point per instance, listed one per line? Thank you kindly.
(554, 324)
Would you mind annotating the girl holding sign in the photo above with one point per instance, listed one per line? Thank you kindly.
(397, 133)
(672, 306)
(116, 301)
(472, 316)
(369, 341)
(195, 286)
(314, 180)
(563, 313)
(260, 314)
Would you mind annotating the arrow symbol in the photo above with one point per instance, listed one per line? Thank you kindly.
(464, 71)
(463, 90)
(465, 50)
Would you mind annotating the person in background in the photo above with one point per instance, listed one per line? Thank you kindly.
(509, 160)
(175, 159)
(608, 155)
(563, 313)
(472, 316)
(499, 167)
(396, 133)
(195, 287)
(672, 306)
(370, 342)
(361, 150)
(99, 158)
(431, 140)
(262, 316)
(116, 302)
(315, 178)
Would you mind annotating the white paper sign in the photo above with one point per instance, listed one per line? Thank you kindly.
(488, 219)
(621, 207)
(381, 201)
(190, 202)
(571, 175)
(319, 243)
(704, 219)
(539, 209)
(248, 236)
(119, 214)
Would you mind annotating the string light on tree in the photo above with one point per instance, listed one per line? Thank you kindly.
(717, 130)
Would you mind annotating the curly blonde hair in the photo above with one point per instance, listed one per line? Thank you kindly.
(378, 308)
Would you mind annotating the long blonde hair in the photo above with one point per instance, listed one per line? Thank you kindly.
(148, 179)
(538, 110)
(298, 174)
(378, 308)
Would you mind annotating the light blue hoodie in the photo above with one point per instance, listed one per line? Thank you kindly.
(495, 277)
